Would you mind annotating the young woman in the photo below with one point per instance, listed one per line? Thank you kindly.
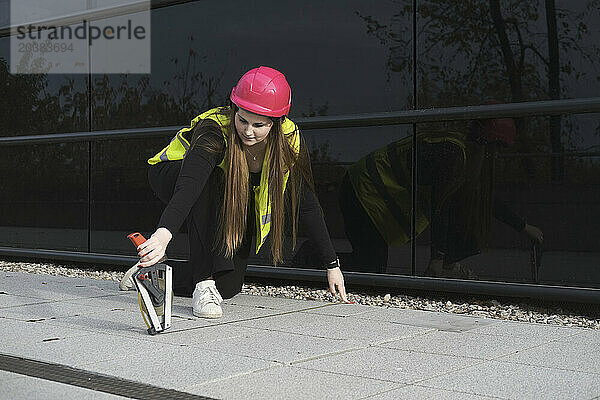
(237, 172)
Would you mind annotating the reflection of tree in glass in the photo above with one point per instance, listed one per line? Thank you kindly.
(28, 107)
(190, 84)
(118, 101)
(139, 104)
(34, 172)
(468, 50)
(25, 89)
(32, 104)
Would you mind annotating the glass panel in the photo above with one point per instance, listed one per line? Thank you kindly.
(510, 51)
(44, 187)
(43, 196)
(560, 196)
(122, 201)
(335, 65)
(528, 192)
(42, 103)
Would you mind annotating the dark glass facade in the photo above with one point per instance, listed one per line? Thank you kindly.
(340, 58)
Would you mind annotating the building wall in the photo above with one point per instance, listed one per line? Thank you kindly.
(340, 58)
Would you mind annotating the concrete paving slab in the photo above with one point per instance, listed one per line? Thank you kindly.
(22, 282)
(427, 319)
(285, 382)
(204, 335)
(388, 364)
(231, 313)
(26, 388)
(6, 376)
(121, 313)
(326, 326)
(415, 392)
(14, 333)
(273, 303)
(281, 346)
(463, 344)
(516, 381)
(50, 288)
(585, 336)
(22, 277)
(180, 367)
(184, 321)
(239, 307)
(10, 300)
(128, 301)
(109, 300)
(79, 351)
(116, 321)
(581, 357)
(268, 347)
(232, 309)
(342, 310)
(47, 311)
(527, 330)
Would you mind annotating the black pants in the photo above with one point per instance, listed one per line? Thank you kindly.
(202, 222)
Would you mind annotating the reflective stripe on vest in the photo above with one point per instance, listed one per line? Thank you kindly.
(382, 182)
(180, 144)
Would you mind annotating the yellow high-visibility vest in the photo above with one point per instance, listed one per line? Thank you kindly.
(382, 182)
(180, 144)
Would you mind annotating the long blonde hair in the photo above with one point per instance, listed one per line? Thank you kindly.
(281, 157)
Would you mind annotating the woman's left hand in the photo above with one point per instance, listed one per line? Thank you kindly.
(336, 280)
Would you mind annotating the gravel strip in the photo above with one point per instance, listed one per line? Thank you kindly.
(472, 306)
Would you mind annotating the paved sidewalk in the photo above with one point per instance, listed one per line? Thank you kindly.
(271, 348)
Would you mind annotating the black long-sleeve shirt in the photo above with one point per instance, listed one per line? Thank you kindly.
(198, 164)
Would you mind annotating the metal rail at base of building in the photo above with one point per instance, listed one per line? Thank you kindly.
(387, 281)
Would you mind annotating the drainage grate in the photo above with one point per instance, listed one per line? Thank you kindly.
(90, 380)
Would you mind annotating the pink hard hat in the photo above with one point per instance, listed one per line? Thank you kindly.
(263, 91)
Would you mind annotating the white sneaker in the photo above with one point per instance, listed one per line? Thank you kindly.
(206, 300)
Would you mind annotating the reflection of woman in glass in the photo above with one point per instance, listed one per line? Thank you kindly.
(454, 197)
(236, 171)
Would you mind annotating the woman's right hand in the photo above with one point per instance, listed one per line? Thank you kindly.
(153, 249)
